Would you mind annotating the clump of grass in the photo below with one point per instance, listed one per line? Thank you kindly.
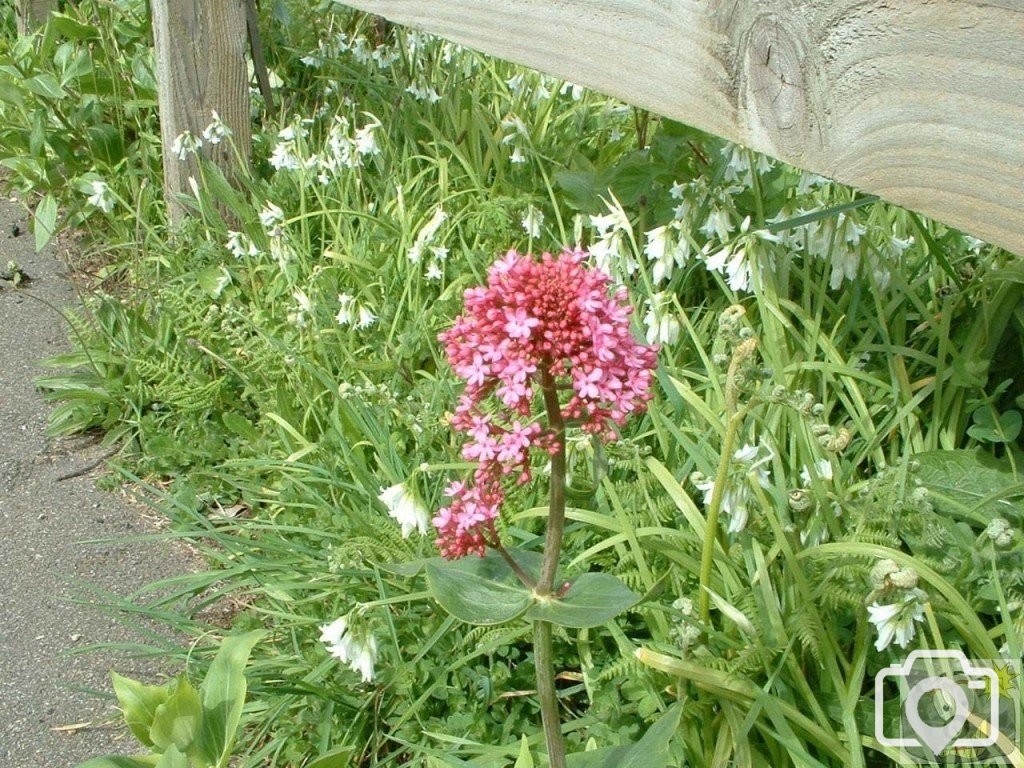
(285, 366)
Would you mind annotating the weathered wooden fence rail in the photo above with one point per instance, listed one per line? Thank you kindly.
(918, 101)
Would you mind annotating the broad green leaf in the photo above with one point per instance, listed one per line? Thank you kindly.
(223, 695)
(46, 85)
(45, 221)
(593, 599)
(478, 590)
(173, 758)
(176, 722)
(595, 758)
(338, 758)
(139, 704)
(525, 759)
(73, 28)
(214, 280)
(121, 761)
(968, 484)
(652, 751)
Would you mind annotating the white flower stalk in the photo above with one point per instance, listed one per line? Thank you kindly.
(272, 217)
(718, 224)
(358, 650)
(241, 245)
(365, 139)
(216, 131)
(285, 157)
(895, 621)
(404, 507)
(186, 144)
(733, 260)
(662, 325)
(532, 221)
(426, 235)
(746, 467)
(612, 245)
(102, 197)
(304, 308)
(346, 309)
(667, 249)
(425, 93)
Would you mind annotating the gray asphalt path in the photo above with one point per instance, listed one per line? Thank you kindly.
(43, 562)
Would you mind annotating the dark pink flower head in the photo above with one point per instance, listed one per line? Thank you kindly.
(553, 321)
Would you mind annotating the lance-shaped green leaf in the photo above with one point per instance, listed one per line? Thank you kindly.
(480, 590)
(138, 704)
(121, 761)
(223, 696)
(176, 721)
(591, 600)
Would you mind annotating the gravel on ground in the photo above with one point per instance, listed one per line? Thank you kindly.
(50, 713)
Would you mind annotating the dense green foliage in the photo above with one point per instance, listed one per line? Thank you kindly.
(864, 364)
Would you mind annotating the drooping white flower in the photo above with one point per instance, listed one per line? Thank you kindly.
(895, 621)
(434, 272)
(425, 93)
(662, 325)
(102, 197)
(718, 224)
(575, 91)
(747, 466)
(241, 245)
(532, 221)
(366, 317)
(332, 633)
(358, 650)
(404, 507)
(426, 235)
(667, 250)
(303, 309)
(515, 83)
(345, 315)
(185, 144)
(285, 157)
(272, 217)
(365, 139)
(824, 470)
(613, 230)
(216, 131)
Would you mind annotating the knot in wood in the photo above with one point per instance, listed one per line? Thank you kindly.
(776, 91)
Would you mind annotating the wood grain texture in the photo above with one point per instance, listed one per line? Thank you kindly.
(201, 67)
(919, 101)
(31, 14)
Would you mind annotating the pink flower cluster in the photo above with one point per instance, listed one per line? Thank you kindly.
(548, 323)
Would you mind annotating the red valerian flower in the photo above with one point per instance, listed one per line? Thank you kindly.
(551, 324)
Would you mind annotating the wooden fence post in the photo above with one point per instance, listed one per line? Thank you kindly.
(33, 13)
(201, 69)
(918, 102)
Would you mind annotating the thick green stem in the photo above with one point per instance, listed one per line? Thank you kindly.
(711, 531)
(543, 653)
(543, 659)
